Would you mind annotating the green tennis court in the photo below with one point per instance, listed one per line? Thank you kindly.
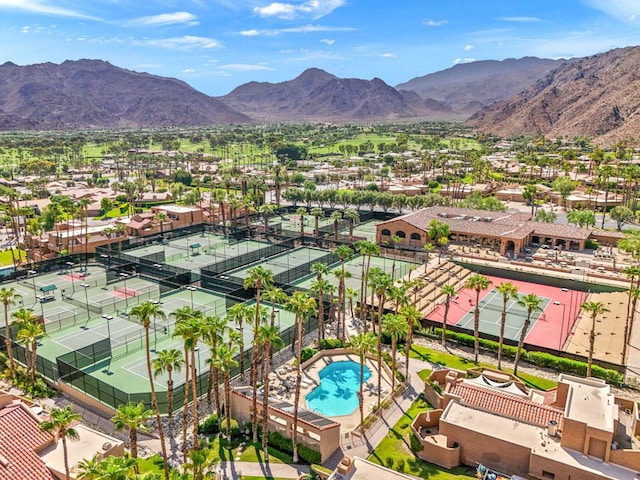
(491, 313)
(283, 262)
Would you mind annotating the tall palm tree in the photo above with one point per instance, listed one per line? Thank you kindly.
(268, 338)
(145, 312)
(381, 284)
(239, 313)
(110, 468)
(351, 294)
(478, 283)
(60, 426)
(302, 305)
(302, 212)
(354, 217)
(317, 212)
(258, 277)
(335, 217)
(344, 253)
(321, 270)
(182, 315)
(366, 248)
(30, 331)
(8, 297)
(449, 291)
(168, 360)
(224, 360)
(361, 344)
(133, 417)
(412, 315)
(428, 248)
(532, 303)
(595, 309)
(632, 272)
(213, 328)
(509, 292)
(189, 328)
(395, 326)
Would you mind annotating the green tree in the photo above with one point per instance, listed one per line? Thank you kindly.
(60, 425)
(449, 291)
(621, 215)
(412, 315)
(545, 216)
(362, 344)
(395, 326)
(564, 186)
(268, 338)
(529, 193)
(478, 283)
(168, 360)
(367, 249)
(30, 332)
(8, 297)
(509, 292)
(321, 270)
(133, 417)
(532, 303)
(595, 309)
(224, 360)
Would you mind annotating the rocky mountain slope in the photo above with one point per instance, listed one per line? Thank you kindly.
(597, 97)
(467, 87)
(93, 93)
(316, 95)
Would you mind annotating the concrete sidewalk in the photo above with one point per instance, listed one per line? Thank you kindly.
(234, 470)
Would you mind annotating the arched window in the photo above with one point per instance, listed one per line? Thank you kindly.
(385, 231)
(401, 234)
(415, 236)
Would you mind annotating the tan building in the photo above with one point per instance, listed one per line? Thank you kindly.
(180, 216)
(508, 232)
(315, 431)
(579, 430)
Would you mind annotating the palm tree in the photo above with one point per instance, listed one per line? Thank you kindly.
(361, 344)
(133, 417)
(189, 327)
(168, 360)
(212, 329)
(595, 309)
(449, 291)
(145, 312)
(632, 272)
(428, 248)
(60, 426)
(351, 293)
(532, 303)
(412, 315)
(367, 249)
(317, 212)
(182, 315)
(258, 277)
(8, 297)
(353, 217)
(268, 338)
(478, 283)
(335, 217)
(343, 252)
(509, 292)
(238, 313)
(321, 270)
(381, 284)
(224, 360)
(302, 305)
(395, 326)
(30, 331)
(110, 468)
(302, 212)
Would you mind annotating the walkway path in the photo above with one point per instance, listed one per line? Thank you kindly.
(234, 470)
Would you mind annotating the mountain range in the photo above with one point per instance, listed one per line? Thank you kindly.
(596, 97)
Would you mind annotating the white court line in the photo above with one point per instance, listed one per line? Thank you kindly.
(128, 366)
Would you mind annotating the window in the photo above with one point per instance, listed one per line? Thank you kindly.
(385, 231)
(415, 236)
(549, 475)
(401, 234)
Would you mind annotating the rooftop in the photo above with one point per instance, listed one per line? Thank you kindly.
(366, 470)
(590, 401)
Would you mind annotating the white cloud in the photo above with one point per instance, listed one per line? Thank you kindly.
(328, 41)
(520, 19)
(463, 60)
(387, 55)
(624, 9)
(189, 70)
(289, 11)
(435, 23)
(301, 29)
(244, 67)
(42, 8)
(166, 19)
(468, 48)
(25, 29)
(187, 42)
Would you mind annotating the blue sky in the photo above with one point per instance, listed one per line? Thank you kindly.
(216, 45)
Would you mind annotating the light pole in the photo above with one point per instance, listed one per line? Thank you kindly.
(33, 279)
(191, 289)
(86, 298)
(561, 325)
(126, 292)
(277, 310)
(73, 280)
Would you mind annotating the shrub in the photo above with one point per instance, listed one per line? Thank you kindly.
(235, 428)
(285, 444)
(330, 343)
(210, 425)
(307, 353)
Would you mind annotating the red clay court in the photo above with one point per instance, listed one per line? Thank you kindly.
(549, 328)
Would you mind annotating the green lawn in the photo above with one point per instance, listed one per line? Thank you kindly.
(424, 374)
(6, 259)
(245, 477)
(459, 363)
(395, 451)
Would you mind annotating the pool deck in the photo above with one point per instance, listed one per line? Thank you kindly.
(311, 379)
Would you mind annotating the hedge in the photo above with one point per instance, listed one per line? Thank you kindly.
(210, 425)
(539, 359)
(330, 343)
(286, 445)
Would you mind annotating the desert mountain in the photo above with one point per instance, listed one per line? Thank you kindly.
(467, 87)
(93, 93)
(320, 96)
(596, 97)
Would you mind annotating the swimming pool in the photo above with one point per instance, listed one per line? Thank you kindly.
(337, 393)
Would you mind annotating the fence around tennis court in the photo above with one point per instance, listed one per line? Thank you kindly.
(113, 304)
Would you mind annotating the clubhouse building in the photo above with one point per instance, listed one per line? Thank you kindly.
(507, 232)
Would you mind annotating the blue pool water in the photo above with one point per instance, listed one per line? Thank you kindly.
(337, 393)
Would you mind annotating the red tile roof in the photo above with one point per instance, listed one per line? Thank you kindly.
(20, 439)
(505, 405)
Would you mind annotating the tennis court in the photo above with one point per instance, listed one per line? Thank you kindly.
(365, 229)
(549, 328)
(284, 262)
